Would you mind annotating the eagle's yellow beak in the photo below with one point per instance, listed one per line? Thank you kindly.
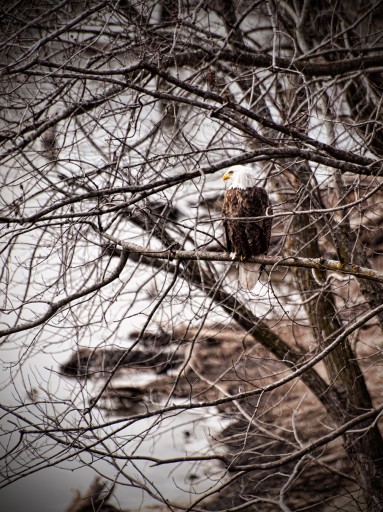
(228, 175)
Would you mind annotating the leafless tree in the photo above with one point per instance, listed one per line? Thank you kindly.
(118, 120)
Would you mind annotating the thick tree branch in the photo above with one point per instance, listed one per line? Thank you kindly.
(246, 57)
(143, 191)
(274, 261)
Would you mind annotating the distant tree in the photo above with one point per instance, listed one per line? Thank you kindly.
(118, 120)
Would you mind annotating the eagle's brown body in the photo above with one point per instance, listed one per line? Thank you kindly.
(247, 221)
(247, 238)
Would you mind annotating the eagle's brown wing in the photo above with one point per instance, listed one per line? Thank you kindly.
(227, 223)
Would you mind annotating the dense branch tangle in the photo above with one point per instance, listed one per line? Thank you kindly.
(118, 123)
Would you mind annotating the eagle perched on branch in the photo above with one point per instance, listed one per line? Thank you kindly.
(246, 238)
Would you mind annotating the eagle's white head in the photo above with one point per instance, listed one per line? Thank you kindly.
(241, 177)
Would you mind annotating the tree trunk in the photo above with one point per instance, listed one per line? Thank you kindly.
(347, 385)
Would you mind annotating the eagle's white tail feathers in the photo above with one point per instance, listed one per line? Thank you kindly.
(249, 274)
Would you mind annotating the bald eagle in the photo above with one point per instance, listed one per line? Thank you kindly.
(246, 238)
